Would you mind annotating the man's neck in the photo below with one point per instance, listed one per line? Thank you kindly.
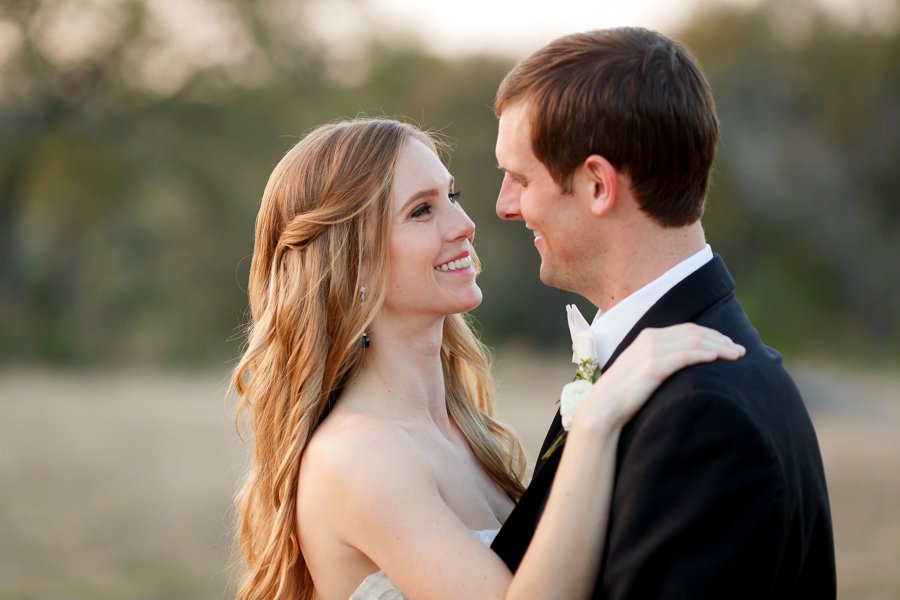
(641, 260)
(611, 326)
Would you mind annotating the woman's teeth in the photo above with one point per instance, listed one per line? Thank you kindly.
(456, 265)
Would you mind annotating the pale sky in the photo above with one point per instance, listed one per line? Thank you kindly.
(521, 26)
(202, 33)
(517, 27)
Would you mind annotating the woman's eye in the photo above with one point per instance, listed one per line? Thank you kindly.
(454, 196)
(421, 211)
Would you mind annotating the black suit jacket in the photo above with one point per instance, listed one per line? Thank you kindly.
(719, 489)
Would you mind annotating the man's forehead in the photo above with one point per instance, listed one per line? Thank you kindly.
(513, 137)
(515, 116)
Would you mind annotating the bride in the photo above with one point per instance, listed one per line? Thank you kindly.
(377, 464)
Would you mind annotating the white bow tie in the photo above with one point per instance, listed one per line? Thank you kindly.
(582, 336)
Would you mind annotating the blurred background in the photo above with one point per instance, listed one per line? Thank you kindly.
(136, 137)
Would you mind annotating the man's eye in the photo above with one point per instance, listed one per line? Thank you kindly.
(455, 196)
(515, 180)
(421, 211)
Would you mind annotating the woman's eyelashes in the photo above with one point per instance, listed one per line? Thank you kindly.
(421, 211)
(425, 208)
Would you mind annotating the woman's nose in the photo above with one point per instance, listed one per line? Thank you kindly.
(464, 227)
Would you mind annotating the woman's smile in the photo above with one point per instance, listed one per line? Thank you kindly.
(463, 263)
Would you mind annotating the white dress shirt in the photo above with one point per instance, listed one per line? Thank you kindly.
(611, 327)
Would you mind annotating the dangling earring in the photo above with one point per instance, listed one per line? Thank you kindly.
(362, 299)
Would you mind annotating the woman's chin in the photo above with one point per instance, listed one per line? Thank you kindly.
(472, 302)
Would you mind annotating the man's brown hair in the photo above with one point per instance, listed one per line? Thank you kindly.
(631, 95)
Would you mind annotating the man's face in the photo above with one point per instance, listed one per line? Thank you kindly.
(529, 193)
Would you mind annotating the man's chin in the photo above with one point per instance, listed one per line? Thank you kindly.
(551, 278)
(547, 276)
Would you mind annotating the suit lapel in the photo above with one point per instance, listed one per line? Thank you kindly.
(555, 430)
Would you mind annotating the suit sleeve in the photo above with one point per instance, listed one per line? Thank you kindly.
(696, 510)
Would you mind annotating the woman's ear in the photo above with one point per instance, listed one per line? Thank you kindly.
(601, 184)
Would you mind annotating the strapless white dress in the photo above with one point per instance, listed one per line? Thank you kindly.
(377, 586)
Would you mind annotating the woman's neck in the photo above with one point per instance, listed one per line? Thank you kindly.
(401, 372)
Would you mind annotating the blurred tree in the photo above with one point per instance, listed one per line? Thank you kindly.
(124, 134)
(804, 202)
(136, 137)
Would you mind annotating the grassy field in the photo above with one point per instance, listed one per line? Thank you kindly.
(118, 485)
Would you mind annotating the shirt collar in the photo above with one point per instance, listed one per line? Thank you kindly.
(610, 327)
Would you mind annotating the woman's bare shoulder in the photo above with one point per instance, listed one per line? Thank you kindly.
(359, 458)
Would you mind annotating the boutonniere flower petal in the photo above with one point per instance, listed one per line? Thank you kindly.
(585, 356)
(580, 330)
(584, 353)
(582, 346)
(572, 394)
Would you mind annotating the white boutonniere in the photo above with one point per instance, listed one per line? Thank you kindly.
(585, 356)
(572, 394)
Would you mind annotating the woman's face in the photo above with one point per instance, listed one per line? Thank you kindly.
(431, 240)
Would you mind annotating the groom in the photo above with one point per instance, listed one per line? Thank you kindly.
(606, 140)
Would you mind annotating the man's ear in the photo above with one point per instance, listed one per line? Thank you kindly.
(601, 181)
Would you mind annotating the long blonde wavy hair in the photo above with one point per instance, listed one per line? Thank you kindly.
(325, 213)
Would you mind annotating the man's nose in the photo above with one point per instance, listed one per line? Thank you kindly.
(508, 201)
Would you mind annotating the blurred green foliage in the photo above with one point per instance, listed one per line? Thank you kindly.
(131, 166)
